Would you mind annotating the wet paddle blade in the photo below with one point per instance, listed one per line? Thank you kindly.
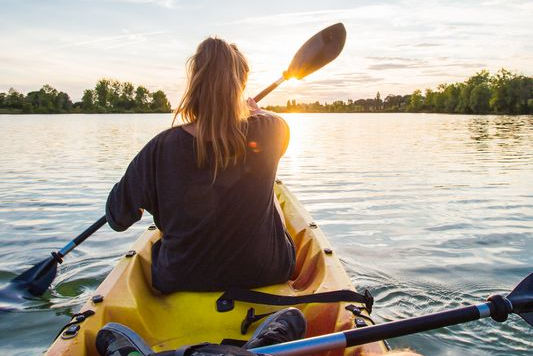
(318, 51)
(522, 299)
(37, 279)
(528, 317)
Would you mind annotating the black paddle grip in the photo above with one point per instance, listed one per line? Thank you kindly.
(90, 230)
(410, 326)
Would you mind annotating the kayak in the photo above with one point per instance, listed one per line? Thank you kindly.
(170, 321)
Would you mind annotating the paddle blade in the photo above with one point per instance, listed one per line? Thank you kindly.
(318, 51)
(528, 317)
(522, 299)
(37, 279)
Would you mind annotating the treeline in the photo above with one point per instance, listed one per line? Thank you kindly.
(483, 93)
(108, 96)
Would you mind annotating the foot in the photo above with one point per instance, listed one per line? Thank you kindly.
(285, 325)
(118, 340)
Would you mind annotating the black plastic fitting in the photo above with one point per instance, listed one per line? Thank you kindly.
(500, 308)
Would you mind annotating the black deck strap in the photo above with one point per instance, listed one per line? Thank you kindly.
(357, 312)
(233, 342)
(210, 349)
(250, 318)
(76, 319)
(226, 302)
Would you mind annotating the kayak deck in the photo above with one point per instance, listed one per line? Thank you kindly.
(170, 321)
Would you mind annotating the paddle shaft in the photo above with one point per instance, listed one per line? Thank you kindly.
(82, 237)
(372, 333)
(267, 90)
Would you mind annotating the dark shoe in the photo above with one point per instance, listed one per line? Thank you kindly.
(118, 340)
(285, 325)
(207, 349)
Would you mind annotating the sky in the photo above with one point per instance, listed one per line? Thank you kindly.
(393, 47)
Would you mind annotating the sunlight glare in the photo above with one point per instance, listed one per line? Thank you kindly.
(293, 83)
(296, 124)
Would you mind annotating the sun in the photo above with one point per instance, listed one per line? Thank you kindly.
(293, 83)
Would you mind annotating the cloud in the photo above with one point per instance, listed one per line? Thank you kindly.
(425, 44)
(363, 12)
(348, 82)
(169, 4)
(400, 59)
(114, 41)
(465, 65)
(383, 66)
(421, 64)
(342, 81)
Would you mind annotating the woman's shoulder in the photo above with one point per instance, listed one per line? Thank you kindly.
(264, 119)
(264, 115)
(171, 137)
(171, 134)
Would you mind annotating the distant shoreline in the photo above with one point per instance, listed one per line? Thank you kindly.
(108, 96)
(20, 112)
(293, 112)
(504, 93)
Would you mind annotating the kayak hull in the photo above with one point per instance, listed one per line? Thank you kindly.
(170, 321)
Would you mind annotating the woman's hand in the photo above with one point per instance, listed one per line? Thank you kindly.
(254, 108)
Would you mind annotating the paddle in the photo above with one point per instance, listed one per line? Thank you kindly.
(318, 51)
(519, 301)
(36, 280)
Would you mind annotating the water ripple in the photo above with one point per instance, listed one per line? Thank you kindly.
(428, 212)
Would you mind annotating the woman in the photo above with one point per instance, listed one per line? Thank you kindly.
(209, 184)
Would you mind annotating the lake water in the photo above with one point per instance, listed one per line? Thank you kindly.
(427, 211)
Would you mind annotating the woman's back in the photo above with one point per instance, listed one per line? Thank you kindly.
(216, 234)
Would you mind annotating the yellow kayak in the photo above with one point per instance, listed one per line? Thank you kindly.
(168, 322)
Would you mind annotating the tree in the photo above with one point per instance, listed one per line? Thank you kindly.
(126, 97)
(87, 101)
(479, 99)
(141, 99)
(14, 99)
(451, 97)
(499, 101)
(416, 102)
(429, 100)
(525, 95)
(102, 92)
(115, 91)
(480, 78)
(32, 102)
(63, 102)
(392, 102)
(439, 99)
(160, 102)
(378, 101)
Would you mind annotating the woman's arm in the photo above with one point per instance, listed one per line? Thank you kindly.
(131, 195)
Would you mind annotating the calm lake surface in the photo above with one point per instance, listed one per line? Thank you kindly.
(427, 211)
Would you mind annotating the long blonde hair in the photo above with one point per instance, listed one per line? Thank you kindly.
(217, 75)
